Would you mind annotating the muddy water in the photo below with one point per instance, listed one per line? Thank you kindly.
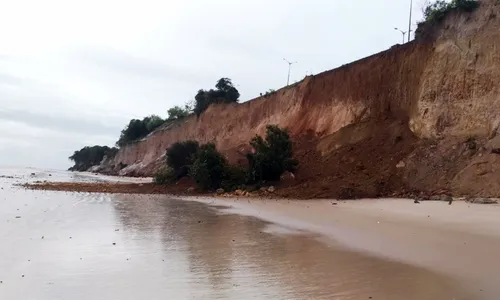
(57, 245)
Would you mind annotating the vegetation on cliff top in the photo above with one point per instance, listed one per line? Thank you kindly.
(136, 129)
(437, 11)
(224, 92)
(210, 170)
(90, 156)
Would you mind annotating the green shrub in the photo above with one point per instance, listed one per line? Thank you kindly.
(209, 167)
(234, 178)
(272, 156)
(178, 113)
(180, 156)
(436, 11)
(163, 176)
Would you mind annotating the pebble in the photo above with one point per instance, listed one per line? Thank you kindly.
(114, 244)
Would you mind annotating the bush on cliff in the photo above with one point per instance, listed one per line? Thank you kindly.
(209, 168)
(224, 92)
(178, 113)
(436, 11)
(180, 157)
(90, 156)
(272, 156)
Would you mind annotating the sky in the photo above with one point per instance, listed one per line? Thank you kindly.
(73, 73)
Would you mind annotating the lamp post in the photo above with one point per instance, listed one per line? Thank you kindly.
(289, 69)
(409, 21)
(403, 32)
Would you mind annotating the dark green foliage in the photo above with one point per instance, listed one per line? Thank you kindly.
(436, 11)
(178, 113)
(272, 156)
(225, 92)
(163, 176)
(137, 129)
(90, 156)
(152, 122)
(180, 157)
(208, 169)
(235, 177)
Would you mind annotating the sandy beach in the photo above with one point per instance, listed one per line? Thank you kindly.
(379, 247)
(461, 240)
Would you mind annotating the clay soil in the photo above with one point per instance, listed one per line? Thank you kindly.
(339, 167)
(336, 166)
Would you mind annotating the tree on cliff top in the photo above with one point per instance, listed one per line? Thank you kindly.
(178, 113)
(90, 156)
(224, 92)
(137, 129)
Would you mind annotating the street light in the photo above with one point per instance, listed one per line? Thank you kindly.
(409, 22)
(403, 32)
(289, 69)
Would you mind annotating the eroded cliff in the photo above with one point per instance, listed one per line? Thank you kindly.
(400, 120)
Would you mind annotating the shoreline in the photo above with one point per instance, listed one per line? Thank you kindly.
(460, 240)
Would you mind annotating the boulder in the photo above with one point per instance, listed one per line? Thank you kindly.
(271, 189)
(219, 191)
(190, 190)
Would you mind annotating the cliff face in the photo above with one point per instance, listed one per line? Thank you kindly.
(441, 89)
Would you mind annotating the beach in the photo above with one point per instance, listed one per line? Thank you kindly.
(81, 245)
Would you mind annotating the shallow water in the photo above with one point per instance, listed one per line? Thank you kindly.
(57, 245)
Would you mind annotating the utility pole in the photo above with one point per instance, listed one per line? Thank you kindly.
(403, 32)
(409, 22)
(289, 69)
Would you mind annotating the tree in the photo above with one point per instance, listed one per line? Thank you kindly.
(272, 156)
(208, 170)
(90, 156)
(178, 113)
(436, 11)
(225, 92)
(137, 129)
(152, 122)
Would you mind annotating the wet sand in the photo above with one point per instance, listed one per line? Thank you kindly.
(64, 245)
(461, 240)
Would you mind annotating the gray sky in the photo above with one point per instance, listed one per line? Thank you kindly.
(73, 73)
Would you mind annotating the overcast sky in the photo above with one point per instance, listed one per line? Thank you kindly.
(73, 73)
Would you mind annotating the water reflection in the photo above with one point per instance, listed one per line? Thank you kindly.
(227, 256)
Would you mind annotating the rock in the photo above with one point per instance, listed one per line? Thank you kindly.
(271, 189)
(446, 198)
(416, 202)
(287, 176)
(401, 165)
(482, 201)
(219, 191)
(191, 189)
(263, 189)
(238, 192)
(33, 174)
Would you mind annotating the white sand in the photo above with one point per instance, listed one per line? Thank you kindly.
(462, 240)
